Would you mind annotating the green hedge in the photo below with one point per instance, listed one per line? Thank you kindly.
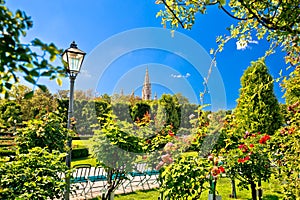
(81, 137)
(6, 138)
(6, 134)
(80, 152)
(6, 144)
(76, 153)
(4, 152)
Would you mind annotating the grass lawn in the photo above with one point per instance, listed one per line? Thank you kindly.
(86, 160)
(270, 192)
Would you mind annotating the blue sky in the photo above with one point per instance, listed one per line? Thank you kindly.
(96, 23)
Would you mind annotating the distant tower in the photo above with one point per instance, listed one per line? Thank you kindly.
(146, 92)
(132, 93)
(155, 96)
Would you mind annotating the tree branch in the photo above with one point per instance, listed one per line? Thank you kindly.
(228, 13)
(176, 17)
(266, 22)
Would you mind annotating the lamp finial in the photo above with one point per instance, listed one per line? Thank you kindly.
(73, 45)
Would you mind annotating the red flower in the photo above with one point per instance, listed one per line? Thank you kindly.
(264, 139)
(171, 133)
(243, 147)
(221, 168)
(251, 145)
(242, 160)
(215, 171)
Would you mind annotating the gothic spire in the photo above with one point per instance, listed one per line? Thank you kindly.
(146, 92)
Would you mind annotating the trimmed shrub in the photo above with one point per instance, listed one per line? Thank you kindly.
(84, 137)
(80, 153)
(4, 152)
(35, 175)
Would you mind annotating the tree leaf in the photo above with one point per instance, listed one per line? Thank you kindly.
(59, 81)
(42, 87)
(29, 94)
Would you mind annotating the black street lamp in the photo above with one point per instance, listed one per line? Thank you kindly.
(74, 58)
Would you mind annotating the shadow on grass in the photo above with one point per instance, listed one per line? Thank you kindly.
(271, 197)
(80, 159)
(138, 192)
(139, 195)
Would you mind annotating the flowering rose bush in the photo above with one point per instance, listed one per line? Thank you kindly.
(49, 131)
(216, 169)
(249, 161)
(117, 145)
(286, 154)
(185, 178)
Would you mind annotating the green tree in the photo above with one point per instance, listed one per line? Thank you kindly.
(277, 21)
(139, 110)
(103, 108)
(188, 111)
(122, 111)
(182, 99)
(18, 92)
(21, 60)
(39, 104)
(257, 112)
(116, 146)
(286, 142)
(291, 85)
(10, 116)
(41, 101)
(257, 107)
(172, 110)
(104, 97)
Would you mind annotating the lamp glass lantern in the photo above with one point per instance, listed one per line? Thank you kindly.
(74, 58)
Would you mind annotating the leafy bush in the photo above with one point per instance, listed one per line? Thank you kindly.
(48, 131)
(35, 175)
(185, 178)
(116, 146)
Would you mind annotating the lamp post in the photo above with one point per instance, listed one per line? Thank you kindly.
(74, 58)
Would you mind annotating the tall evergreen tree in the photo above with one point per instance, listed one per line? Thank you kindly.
(172, 110)
(258, 109)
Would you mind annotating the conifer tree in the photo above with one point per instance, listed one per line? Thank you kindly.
(257, 109)
(257, 112)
